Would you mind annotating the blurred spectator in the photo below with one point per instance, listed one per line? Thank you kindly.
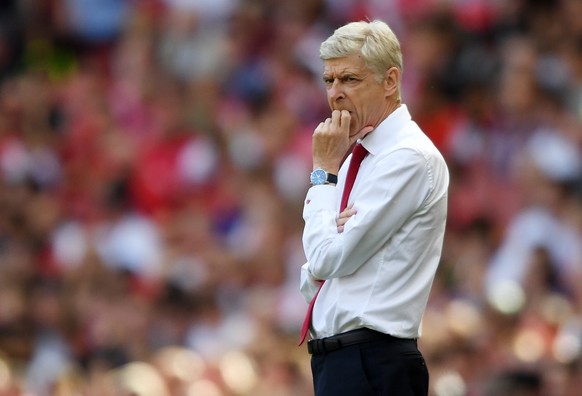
(95, 21)
(516, 383)
(551, 166)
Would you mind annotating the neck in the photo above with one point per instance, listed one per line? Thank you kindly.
(390, 108)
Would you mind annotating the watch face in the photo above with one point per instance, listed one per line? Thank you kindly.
(318, 176)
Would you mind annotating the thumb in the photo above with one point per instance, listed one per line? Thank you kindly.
(361, 134)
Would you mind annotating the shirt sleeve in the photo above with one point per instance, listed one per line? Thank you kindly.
(391, 189)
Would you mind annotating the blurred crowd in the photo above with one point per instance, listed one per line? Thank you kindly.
(154, 157)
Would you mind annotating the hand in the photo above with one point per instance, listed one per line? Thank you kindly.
(344, 216)
(331, 140)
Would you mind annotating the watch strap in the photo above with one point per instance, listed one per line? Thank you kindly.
(331, 178)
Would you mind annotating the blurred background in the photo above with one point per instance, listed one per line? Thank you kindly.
(154, 157)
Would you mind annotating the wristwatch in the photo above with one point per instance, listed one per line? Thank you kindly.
(319, 176)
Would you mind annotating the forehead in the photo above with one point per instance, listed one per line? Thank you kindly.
(353, 64)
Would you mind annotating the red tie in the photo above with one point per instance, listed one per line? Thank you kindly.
(358, 154)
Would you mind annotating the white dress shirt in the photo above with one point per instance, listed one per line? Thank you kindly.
(379, 271)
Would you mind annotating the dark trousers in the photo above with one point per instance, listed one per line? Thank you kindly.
(380, 367)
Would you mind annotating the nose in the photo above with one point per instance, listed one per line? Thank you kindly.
(335, 92)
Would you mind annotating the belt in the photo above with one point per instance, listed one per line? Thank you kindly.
(329, 344)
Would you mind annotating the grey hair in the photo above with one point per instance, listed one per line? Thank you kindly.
(374, 40)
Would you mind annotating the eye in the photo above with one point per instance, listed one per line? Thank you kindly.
(350, 79)
(328, 81)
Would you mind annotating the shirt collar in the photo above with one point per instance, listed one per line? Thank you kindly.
(387, 133)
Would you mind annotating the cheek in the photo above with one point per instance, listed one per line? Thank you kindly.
(369, 105)
(362, 111)
(356, 122)
(329, 102)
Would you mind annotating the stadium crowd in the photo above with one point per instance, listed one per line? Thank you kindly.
(154, 156)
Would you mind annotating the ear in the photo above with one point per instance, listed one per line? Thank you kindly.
(391, 79)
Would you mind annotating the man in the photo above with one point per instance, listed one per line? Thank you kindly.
(376, 259)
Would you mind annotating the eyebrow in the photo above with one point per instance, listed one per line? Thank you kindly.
(340, 76)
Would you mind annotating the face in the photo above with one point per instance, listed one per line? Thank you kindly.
(351, 86)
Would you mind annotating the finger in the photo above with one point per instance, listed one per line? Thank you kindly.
(345, 120)
(367, 129)
(323, 126)
(327, 124)
(349, 211)
(344, 217)
(336, 118)
(361, 134)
